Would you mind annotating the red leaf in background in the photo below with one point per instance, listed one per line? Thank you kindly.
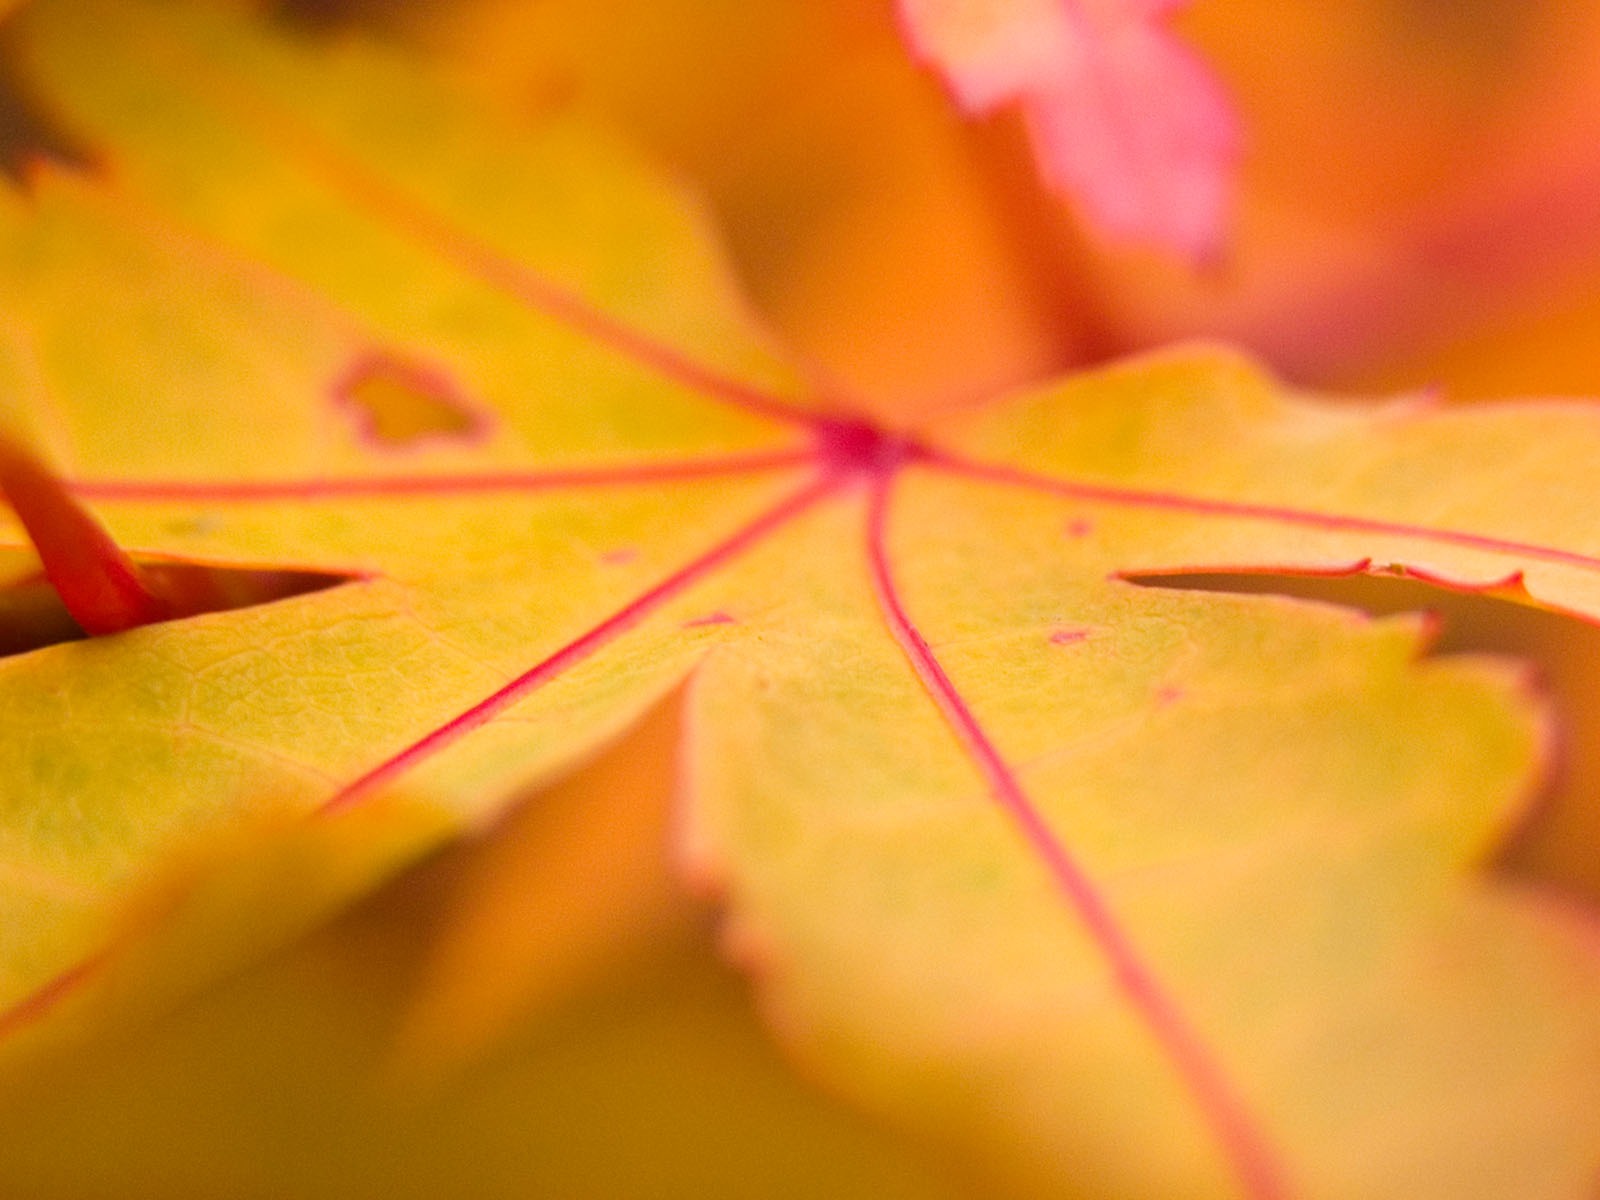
(1123, 117)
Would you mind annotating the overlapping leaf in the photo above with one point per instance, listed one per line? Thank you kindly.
(655, 1080)
(1138, 892)
(1123, 117)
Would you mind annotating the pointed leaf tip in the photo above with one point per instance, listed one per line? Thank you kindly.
(1124, 119)
(103, 589)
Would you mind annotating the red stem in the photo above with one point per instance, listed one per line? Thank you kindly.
(103, 589)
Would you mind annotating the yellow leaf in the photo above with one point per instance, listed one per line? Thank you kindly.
(1129, 891)
(276, 1083)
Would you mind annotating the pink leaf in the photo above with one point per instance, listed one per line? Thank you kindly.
(1123, 117)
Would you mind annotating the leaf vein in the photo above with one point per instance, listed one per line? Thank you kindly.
(1202, 506)
(1253, 1160)
(390, 206)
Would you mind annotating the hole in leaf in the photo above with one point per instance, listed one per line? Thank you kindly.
(397, 404)
(1561, 840)
(32, 615)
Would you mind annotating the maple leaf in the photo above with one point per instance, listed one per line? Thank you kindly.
(1135, 891)
(655, 1080)
(1122, 116)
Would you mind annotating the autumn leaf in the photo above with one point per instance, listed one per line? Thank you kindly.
(525, 931)
(652, 1080)
(1122, 116)
(1128, 890)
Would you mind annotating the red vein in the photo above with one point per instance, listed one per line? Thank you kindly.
(46, 997)
(42, 999)
(439, 485)
(278, 128)
(581, 648)
(1200, 506)
(1253, 1160)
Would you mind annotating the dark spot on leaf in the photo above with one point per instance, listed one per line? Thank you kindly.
(32, 615)
(397, 404)
(1558, 840)
(620, 556)
(1080, 527)
(1068, 637)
